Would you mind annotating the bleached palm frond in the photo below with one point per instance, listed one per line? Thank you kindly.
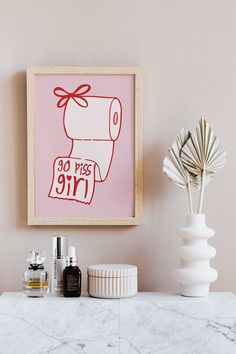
(173, 167)
(172, 164)
(203, 151)
(203, 155)
(196, 180)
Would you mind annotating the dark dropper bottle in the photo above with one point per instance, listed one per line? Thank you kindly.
(72, 275)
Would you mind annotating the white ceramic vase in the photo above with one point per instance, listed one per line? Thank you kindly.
(194, 273)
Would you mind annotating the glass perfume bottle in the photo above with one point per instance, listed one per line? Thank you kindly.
(72, 275)
(35, 279)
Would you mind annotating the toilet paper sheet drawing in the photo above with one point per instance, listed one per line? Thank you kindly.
(93, 125)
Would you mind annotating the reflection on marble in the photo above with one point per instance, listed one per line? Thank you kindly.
(148, 323)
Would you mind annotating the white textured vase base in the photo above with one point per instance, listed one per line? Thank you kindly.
(194, 290)
(194, 273)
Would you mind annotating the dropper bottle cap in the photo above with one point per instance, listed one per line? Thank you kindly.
(71, 259)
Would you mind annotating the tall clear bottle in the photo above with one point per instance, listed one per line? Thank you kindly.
(58, 263)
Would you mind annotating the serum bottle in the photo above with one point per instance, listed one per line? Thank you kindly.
(72, 275)
(58, 263)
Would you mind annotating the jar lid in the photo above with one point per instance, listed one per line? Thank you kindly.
(112, 270)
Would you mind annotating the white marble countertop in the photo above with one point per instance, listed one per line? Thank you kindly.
(148, 323)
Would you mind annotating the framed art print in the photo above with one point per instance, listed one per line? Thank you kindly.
(84, 146)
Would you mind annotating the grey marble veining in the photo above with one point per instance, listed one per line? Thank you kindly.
(58, 325)
(181, 327)
(148, 323)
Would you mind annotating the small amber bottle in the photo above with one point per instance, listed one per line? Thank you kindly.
(72, 275)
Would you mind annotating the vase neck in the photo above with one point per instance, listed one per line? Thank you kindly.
(196, 220)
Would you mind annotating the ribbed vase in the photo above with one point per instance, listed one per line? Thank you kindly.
(194, 274)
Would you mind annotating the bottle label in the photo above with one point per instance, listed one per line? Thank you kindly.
(57, 268)
(72, 283)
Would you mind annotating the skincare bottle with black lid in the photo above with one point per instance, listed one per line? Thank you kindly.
(72, 275)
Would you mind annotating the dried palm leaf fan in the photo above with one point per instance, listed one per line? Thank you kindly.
(193, 159)
(174, 168)
(203, 155)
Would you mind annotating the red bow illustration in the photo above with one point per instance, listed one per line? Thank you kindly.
(77, 95)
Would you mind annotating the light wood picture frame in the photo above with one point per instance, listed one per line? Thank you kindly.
(84, 146)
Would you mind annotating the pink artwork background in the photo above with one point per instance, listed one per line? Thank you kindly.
(113, 198)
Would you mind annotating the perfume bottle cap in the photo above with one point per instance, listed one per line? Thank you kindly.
(59, 246)
(36, 257)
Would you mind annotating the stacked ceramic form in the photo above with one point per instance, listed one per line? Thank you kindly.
(195, 274)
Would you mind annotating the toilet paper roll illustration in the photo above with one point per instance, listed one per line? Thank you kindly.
(73, 179)
(100, 120)
(94, 130)
(93, 123)
(98, 151)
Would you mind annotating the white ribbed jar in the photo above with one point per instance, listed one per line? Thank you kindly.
(112, 280)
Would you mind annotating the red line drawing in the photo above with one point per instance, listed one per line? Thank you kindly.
(93, 124)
